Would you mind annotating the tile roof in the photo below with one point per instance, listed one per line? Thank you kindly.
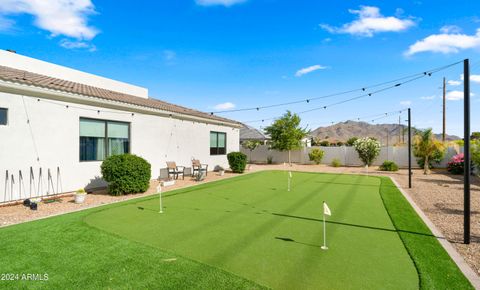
(37, 80)
(250, 133)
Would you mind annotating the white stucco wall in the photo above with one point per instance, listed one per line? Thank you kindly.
(55, 135)
(29, 64)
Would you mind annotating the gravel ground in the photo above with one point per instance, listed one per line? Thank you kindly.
(439, 195)
(14, 214)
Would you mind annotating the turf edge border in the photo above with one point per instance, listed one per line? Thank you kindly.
(452, 252)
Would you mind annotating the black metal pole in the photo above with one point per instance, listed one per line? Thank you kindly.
(409, 149)
(466, 152)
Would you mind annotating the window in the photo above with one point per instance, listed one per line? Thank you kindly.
(3, 116)
(218, 143)
(100, 139)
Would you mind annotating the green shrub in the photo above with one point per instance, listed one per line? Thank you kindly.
(126, 173)
(316, 155)
(336, 162)
(436, 158)
(237, 161)
(476, 157)
(351, 140)
(269, 160)
(388, 165)
(324, 143)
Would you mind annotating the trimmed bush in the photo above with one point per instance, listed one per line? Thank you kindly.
(126, 173)
(237, 161)
(388, 165)
(336, 162)
(316, 155)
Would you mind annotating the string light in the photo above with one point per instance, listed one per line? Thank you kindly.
(368, 117)
(363, 89)
(411, 79)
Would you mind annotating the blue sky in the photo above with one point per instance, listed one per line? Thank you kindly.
(211, 54)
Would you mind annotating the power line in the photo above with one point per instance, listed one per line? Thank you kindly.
(367, 117)
(353, 98)
(363, 89)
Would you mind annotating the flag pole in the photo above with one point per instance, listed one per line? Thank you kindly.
(159, 190)
(324, 247)
(289, 179)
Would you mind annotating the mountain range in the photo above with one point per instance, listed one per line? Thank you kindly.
(385, 133)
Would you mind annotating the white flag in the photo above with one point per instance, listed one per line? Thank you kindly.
(326, 210)
(290, 174)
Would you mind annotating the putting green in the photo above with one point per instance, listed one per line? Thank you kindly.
(253, 227)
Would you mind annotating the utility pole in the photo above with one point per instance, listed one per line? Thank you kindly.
(466, 141)
(444, 110)
(399, 130)
(409, 149)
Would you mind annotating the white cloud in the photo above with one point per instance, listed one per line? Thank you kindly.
(224, 106)
(309, 69)
(456, 95)
(454, 83)
(369, 22)
(6, 24)
(450, 29)
(445, 42)
(68, 44)
(59, 17)
(406, 103)
(428, 97)
(473, 78)
(226, 3)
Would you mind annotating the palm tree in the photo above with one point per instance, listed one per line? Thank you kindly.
(425, 145)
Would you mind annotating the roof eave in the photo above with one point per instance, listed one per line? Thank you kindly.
(40, 92)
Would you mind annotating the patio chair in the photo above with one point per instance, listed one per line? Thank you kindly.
(175, 170)
(198, 167)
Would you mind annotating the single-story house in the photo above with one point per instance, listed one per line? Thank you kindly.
(248, 133)
(57, 124)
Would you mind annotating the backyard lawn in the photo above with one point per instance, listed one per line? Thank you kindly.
(244, 232)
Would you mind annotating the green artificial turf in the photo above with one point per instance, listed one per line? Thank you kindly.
(245, 232)
(436, 269)
(77, 256)
(254, 228)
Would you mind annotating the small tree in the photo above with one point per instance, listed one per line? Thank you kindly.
(251, 145)
(351, 140)
(426, 147)
(316, 155)
(286, 133)
(368, 150)
(316, 141)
